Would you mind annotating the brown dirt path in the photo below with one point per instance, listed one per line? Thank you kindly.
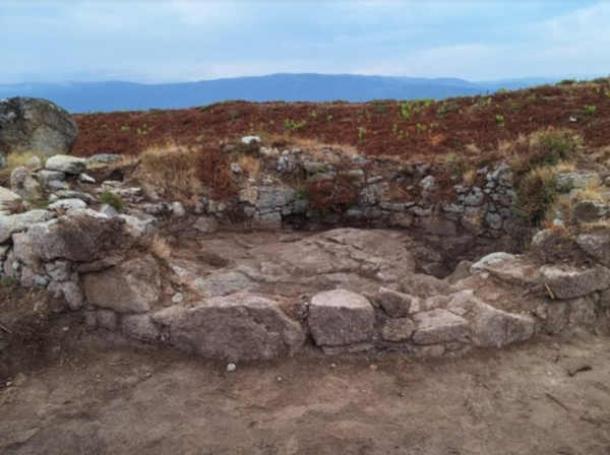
(96, 399)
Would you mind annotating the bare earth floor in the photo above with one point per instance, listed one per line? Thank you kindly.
(530, 399)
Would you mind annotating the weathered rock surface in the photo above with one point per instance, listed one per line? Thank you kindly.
(131, 287)
(24, 184)
(492, 327)
(439, 326)
(566, 282)
(7, 197)
(68, 204)
(80, 236)
(30, 124)
(394, 303)
(67, 164)
(10, 224)
(597, 245)
(340, 318)
(396, 330)
(240, 326)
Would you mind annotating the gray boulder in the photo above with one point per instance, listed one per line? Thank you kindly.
(66, 164)
(394, 303)
(10, 224)
(492, 327)
(439, 326)
(80, 236)
(31, 124)
(567, 282)
(236, 327)
(131, 287)
(340, 318)
(397, 330)
(597, 245)
(68, 204)
(7, 197)
(24, 184)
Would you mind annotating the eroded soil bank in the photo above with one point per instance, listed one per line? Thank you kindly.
(545, 397)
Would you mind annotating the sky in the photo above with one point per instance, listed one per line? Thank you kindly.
(170, 41)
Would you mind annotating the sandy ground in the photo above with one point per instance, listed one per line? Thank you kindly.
(92, 398)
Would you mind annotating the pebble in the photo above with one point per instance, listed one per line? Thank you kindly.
(231, 367)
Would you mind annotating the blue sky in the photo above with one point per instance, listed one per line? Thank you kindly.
(163, 41)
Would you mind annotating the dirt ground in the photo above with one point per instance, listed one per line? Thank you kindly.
(95, 396)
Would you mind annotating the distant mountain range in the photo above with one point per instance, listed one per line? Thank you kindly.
(120, 96)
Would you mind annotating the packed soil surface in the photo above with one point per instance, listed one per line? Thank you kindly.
(96, 395)
(413, 130)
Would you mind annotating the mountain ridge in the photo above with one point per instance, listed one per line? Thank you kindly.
(108, 96)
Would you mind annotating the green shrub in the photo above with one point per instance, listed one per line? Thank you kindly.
(294, 125)
(361, 133)
(567, 82)
(8, 282)
(589, 109)
(113, 200)
(554, 145)
(500, 120)
(536, 194)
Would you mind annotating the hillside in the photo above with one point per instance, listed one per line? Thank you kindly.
(116, 96)
(407, 129)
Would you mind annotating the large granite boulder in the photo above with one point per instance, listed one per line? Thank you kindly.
(240, 326)
(35, 125)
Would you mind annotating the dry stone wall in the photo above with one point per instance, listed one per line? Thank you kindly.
(347, 289)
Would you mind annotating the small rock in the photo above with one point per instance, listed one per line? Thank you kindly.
(178, 209)
(231, 367)
(86, 178)
(235, 168)
(394, 303)
(177, 298)
(109, 210)
(68, 204)
(206, 225)
(248, 140)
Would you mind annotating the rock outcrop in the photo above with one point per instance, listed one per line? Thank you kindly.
(35, 125)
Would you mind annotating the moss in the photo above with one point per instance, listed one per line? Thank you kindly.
(113, 200)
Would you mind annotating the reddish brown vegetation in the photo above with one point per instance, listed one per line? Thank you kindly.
(337, 194)
(375, 128)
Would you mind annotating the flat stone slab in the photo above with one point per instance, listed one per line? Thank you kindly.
(439, 326)
(340, 317)
(567, 282)
(240, 326)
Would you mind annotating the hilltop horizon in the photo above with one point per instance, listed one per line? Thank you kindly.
(118, 95)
